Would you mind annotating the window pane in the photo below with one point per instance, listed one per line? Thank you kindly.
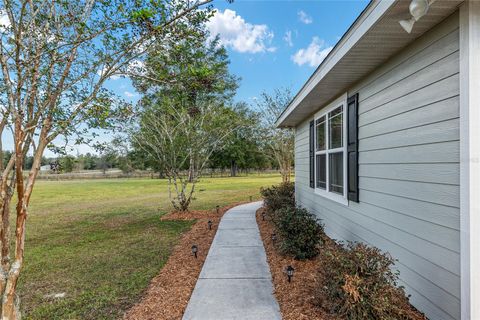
(321, 171)
(335, 130)
(321, 133)
(336, 172)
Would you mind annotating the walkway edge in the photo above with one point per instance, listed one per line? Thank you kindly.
(235, 282)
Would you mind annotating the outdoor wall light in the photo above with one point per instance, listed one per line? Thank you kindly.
(210, 224)
(274, 237)
(195, 250)
(417, 8)
(290, 271)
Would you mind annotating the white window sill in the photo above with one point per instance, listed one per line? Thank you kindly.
(332, 196)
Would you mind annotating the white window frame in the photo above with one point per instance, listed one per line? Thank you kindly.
(341, 101)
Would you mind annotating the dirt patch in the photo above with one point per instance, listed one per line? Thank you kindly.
(169, 292)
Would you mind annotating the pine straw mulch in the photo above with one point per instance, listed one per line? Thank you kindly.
(168, 294)
(297, 299)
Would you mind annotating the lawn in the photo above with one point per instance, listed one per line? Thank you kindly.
(99, 242)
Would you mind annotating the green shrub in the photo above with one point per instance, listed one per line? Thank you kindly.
(299, 231)
(278, 197)
(357, 282)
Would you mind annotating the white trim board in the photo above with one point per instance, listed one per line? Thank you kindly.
(470, 158)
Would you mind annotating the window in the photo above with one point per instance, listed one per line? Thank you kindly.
(330, 150)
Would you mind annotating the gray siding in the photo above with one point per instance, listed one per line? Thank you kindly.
(409, 170)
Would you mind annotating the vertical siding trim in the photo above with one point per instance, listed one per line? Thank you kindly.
(470, 158)
(312, 154)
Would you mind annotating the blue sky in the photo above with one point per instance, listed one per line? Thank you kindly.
(271, 44)
(292, 26)
(265, 40)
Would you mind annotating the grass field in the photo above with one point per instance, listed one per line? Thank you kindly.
(100, 242)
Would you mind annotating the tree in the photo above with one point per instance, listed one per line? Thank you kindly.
(182, 143)
(55, 57)
(119, 148)
(184, 118)
(279, 142)
(89, 161)
(67, 163)
(243, 148)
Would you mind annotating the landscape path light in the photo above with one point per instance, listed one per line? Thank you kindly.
(210, 224)
(195, 250)
(290, 271)
(218, 208)
(274, 237)
(263, 215)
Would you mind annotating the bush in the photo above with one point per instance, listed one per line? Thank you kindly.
(278, 197)
(357, 283)
(300, 232)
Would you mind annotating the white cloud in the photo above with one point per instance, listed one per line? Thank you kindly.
(288, 38)
(304, 17)
(129, 94)
(241, 36)
(313, 54)
(136, 67)
(112, 77)
(4, 21)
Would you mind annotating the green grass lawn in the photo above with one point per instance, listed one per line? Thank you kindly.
(100, 242)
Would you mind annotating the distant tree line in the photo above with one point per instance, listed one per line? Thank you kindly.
(243, 151)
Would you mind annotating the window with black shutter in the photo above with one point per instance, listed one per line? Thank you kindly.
(352, 147)
(328, 150)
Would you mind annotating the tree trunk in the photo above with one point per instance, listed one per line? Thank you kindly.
(10, 273)
(191, 170)
(5, 232)
(285, 170)
(233, 169)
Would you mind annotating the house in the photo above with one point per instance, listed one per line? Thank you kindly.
(387, 145)
(45, 168)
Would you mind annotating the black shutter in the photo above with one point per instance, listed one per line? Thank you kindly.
(312, 154)
(352, 147)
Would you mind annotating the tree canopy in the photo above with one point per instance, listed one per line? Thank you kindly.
(185, 112)
(55, 57)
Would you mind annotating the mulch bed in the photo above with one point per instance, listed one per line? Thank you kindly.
(169, 292)
(297, 298)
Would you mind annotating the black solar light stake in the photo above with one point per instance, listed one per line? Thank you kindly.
(290, 271)
(251, 198)
(218, 209)
(274, 237)
(209, 224)
(263, 215)
(195, 250)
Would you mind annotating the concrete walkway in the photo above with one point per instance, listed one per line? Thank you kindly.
(235, 282)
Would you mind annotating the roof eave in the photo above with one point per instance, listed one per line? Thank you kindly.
(369, 16)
